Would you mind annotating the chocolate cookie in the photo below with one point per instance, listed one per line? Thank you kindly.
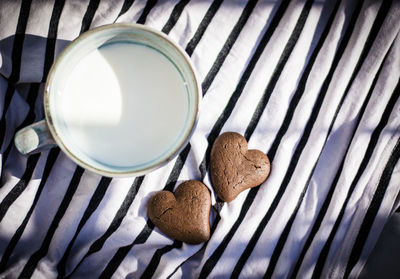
(183, 215)
(234, 168)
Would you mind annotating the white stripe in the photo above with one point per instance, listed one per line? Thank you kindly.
(106, 13)
(70, 22)
(159, 15)
(9, 15)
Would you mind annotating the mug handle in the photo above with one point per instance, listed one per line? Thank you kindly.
(34, 138)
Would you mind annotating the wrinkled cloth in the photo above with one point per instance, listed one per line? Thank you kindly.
(313, 84)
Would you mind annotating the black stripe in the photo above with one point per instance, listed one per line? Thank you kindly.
(148, 228)
(212, 261)
(125, 7)
(328, 198)
(146, 10)
(179, 266)
(212, 10)
(248, 9)
(176, 170)
(176, 13)
(89, 15)
(216, 255)
(16, 62)
(30, 266)
(19, 40)
(216, 129)
(368, 153)
(299, 148)
(94, 202)
(116, 222)
(29, 119)
(373, 209)
(52, 37)
(120, 255)
(155, 260)
(31, 100)
(16, 191)
(17, 235)
(7, 100)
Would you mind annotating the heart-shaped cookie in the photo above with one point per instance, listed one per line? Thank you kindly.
(234, 168)
(183, 215)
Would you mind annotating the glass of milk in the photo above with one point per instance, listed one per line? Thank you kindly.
(120, 100)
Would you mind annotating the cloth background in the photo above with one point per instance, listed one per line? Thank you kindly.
(314, 84)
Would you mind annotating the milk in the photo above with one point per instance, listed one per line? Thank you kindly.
(123, 105)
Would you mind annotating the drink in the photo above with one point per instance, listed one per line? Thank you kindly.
(120, 100)
(123, 104)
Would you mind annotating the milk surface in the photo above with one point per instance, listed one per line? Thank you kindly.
(124, 105)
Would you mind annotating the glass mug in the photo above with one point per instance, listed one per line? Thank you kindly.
(120, 100)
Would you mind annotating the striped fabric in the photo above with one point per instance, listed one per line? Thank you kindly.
(313, 84)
